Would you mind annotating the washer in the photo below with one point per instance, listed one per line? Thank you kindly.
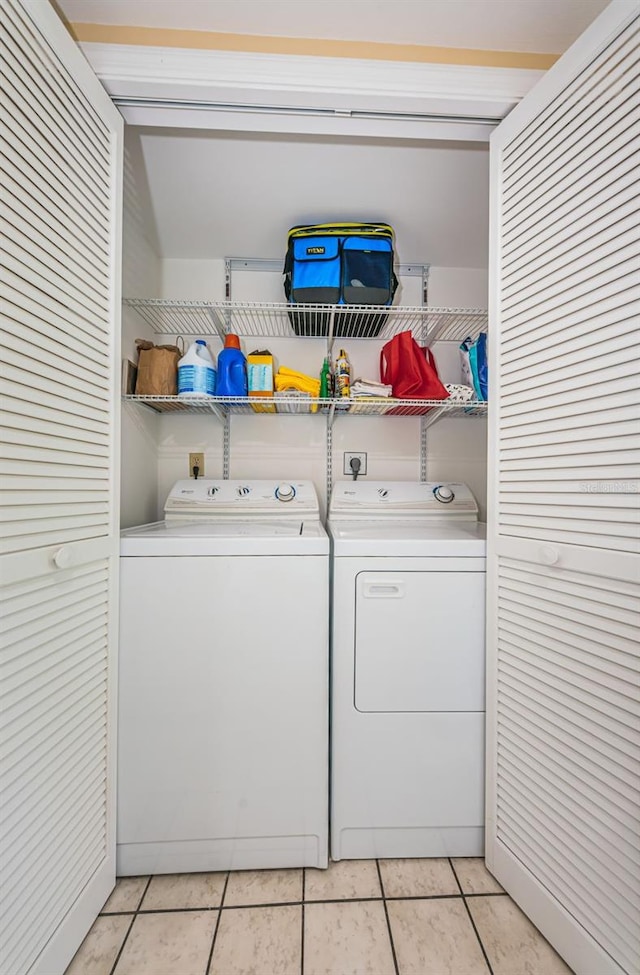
(407, 693)
(223, 680)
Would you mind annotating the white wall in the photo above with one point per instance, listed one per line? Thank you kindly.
(141, 277)
(294, 446)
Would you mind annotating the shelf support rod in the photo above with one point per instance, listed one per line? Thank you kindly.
(425, 285)
(423, 449)
(330, 336)
(226, 446)
(425, 331)
(227, 278)
(329, 453)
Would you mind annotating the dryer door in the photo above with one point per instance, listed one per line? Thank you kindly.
(419, 642)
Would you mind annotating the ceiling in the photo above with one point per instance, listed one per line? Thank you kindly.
(214, 194)
(543, 26)
(217, 194)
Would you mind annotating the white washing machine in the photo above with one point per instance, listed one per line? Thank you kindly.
(407, 738)
(223, 682)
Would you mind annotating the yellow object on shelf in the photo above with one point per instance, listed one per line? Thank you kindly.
(288, 379)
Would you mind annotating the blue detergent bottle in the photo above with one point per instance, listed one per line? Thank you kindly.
(232, 369)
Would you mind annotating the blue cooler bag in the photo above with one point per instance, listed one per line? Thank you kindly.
(339, 264)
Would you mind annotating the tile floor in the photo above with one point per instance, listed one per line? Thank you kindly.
(359, 917)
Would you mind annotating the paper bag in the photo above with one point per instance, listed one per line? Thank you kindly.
(157, 369)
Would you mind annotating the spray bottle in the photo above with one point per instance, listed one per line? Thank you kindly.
(325, 380)
(343, 374)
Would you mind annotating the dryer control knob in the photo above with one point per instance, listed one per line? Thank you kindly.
(285, 492)
(443, 493)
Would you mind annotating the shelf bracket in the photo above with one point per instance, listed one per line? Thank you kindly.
(423, 425)
(330, 335)
(425, 286)
(220, 328)
(329, 455)
(423, 449)
(227, 278)
(226, 447)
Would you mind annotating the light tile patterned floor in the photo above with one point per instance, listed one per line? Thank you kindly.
(359, 917)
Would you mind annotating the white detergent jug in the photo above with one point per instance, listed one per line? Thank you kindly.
(196, 371)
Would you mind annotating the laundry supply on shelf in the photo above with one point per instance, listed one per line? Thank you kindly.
(232, 369)
(343, 374)
(260, 379)
(196, 371)
(473, 361)
(325, 379)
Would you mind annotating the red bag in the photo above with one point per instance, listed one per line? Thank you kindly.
(410, 370)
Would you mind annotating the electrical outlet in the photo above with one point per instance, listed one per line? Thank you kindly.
(347, 468)
(196, 460)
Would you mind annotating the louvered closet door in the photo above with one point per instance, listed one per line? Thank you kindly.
(563, 825)
(61, 163)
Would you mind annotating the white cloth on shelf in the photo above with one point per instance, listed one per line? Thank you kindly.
(367, 387)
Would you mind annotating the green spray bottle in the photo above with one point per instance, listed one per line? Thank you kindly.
(325, 380)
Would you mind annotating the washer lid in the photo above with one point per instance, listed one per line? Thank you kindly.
(225, 537)
(412, 538)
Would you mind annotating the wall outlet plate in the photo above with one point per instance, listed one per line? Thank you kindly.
(347, 469)
(196, 460)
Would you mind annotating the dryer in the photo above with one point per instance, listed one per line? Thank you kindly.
(223, 682)
(407, 686)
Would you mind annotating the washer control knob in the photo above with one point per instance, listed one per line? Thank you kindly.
(285, 492)
(443, 493)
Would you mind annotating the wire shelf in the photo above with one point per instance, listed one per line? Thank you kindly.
(306, 405)
(280, 320)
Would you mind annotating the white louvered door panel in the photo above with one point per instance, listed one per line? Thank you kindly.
(61, 145)
(563, 639)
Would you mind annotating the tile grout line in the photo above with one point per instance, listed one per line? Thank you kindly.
(297, 903)
(386, 914)
(470, 916)
(126, 937)
(265, 904)
(215, 930)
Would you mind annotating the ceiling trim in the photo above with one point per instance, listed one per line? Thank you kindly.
(307, 47)
(195, 88)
